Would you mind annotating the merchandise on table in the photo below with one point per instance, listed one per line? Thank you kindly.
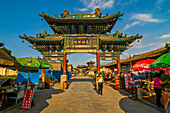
(139, 93)
(127, 80)
(166, 98)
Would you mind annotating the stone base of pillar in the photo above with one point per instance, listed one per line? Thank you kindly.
(64, 79)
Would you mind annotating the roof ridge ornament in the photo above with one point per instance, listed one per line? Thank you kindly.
(120, 35)
(65, 14)
(97, 12)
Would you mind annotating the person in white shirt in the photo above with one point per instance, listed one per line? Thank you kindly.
(100, 83)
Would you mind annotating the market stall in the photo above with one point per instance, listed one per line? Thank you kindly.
(163, 63)
(30, 64)
(107, 73)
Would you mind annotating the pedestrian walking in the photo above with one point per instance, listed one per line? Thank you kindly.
(100, 83)
(158, 88)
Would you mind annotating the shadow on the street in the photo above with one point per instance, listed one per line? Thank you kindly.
(126, 106)
(40, 100)
(131, 105)
(81, 79)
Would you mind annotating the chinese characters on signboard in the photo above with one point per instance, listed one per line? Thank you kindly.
(81, 42)
(27, 99)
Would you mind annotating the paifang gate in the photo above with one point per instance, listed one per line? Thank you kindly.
(81, 33)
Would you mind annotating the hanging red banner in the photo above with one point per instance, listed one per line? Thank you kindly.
(117, 82)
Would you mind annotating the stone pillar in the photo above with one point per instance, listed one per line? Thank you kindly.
(64, 63)
(98, 62)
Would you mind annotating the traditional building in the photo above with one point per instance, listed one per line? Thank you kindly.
(90, 64)
(81, 33)
(128, 62)
(56, 65)
(81, 69)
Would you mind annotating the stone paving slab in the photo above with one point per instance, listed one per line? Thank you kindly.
(81, 97)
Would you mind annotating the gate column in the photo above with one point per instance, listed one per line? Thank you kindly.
(98, 62)
(98, 67)
(64, 63)
(64, 79)
(117, 78)
(118, 64)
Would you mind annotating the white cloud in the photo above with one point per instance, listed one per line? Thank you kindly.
(130, 25)
(165, 36)
(92, 4)
(140, 45)
(125, 55)
(124, 3)
(83, 9)
(147, 18)
(131, 1)
(158, 45)
(159, 9)
(159, 2)
(167, 12)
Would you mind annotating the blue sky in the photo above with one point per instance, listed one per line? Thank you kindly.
(149, 18)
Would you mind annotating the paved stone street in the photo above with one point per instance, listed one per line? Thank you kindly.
(81, 97)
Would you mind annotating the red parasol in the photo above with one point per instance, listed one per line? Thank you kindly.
(158, 69)
(142, 65)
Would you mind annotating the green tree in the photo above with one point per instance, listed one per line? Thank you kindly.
(7, 51)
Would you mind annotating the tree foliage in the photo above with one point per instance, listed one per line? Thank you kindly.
(6, 50)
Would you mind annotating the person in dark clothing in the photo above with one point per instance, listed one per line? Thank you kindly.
(7, 83)
(158, 88)
(122, 78)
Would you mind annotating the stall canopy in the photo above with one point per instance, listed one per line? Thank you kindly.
(142, 65)
(163, 62)
(7, 60)
(33, 64)
(30, 64)
(44, 64)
